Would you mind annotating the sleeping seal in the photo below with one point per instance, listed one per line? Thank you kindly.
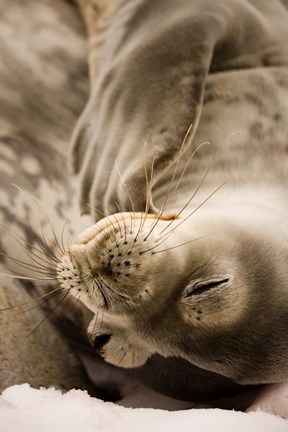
(184, 275)
(191, 265)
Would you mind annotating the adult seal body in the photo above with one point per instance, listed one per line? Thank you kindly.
(199, 273)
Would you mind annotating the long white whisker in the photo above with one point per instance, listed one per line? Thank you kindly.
(25, 277)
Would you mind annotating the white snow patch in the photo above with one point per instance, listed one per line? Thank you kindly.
(28, 410)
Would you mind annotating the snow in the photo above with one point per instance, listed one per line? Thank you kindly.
(24, 409)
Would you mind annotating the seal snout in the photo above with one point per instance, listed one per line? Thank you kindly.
(113, 257)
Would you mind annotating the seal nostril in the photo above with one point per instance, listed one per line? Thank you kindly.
(99, 341)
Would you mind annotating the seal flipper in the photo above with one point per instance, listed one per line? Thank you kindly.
(148, 87)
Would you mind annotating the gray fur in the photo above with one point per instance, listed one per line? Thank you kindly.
(150, 88)
(39, 103)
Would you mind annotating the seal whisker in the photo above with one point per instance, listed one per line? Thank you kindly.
(213, 160)
(62, 233)
(187, 164)
(45, 211)
(181, 149)
(39, 260)
(34, 300)
(149, 185)
(124, 226)
(126, 188)
(52, 309)
(29, 266)
(183, 244)
(119, 226)
(93, 207)
(95, 322)
(31, 249)
(102, 318)
(121, 359)
(48, 248)
(118, 295)
(142, 220)
(205, 175)
(20, 277)
(38, 267)
(168, 197)
(194, 193)
(200, 205)
(75, 297)
(111, 222)
(143, 215)
(112, 230)
(106, 296)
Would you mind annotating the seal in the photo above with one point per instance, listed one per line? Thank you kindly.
(199, 273)
(187, 290)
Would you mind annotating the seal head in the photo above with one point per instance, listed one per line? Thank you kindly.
(159, 285)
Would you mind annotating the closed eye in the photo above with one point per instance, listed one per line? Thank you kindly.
(200, 287)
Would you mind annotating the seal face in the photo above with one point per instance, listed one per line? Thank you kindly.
(181, 288)
(195, 295)
(113, 267)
